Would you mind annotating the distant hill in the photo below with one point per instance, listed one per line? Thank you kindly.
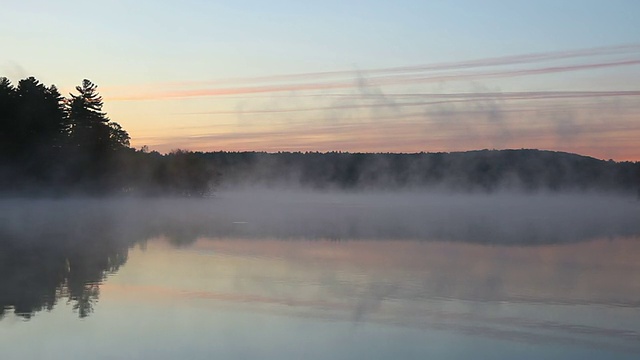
(481, 170)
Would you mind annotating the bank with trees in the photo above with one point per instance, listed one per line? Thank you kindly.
(55, 145)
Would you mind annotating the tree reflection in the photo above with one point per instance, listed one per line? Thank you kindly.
(55, 260)
(35, 277)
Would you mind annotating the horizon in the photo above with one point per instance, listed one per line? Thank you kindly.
(405, 77)
(391, 152)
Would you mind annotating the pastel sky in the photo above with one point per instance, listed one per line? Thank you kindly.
(374, 76)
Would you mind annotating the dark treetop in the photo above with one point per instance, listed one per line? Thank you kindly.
(54, 145)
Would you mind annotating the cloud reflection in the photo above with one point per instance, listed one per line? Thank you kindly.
(419, 285)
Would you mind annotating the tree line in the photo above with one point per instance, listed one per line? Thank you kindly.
(58, 145)
(526, 170)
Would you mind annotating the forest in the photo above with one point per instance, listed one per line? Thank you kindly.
(526, 170)
(52, 145)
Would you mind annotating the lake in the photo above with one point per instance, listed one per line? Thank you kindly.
(286, 275)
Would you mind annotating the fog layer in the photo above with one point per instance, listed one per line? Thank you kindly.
(64, 248)
(492, 219)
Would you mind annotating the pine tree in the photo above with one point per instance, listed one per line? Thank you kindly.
(94, 141)
(88, 124)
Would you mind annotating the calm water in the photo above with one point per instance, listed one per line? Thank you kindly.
(322, 276)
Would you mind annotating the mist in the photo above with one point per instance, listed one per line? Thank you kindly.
(65, 248)
(498, 218)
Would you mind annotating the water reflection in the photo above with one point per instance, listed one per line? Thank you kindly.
(503, 293)
(45, 261)
(347, 276)
(63, 249)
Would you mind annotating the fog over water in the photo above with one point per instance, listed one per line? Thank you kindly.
(505, 218)
(251, 273)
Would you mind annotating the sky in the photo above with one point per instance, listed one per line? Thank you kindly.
(358, 76)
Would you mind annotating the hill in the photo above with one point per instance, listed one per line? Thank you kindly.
(481, 170)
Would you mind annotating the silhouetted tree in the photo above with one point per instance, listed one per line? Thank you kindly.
(118, 137)
(88, 123)
(93, 138)
(51, 143)
(33, 128)
(40, 114)
(186, 173)
(8, 121)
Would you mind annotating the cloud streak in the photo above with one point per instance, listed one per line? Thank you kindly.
(458, 65)
(390, 76)
(402, 109)
(446, 99)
